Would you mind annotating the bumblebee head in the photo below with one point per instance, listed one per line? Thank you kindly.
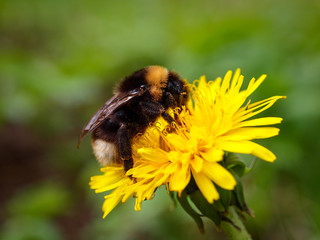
(178, 88)
(153, 78)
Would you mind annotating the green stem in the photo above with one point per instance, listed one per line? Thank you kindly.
(231, 231)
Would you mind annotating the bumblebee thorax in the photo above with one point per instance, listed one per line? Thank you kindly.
(157, 79)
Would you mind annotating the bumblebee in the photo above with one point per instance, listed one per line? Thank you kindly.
(138, 100)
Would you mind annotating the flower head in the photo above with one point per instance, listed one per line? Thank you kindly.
(216, 120)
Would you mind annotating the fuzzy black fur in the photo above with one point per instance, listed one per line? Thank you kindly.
(133, 81)
(121, 126)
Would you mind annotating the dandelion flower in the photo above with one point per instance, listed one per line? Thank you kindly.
(216, 120)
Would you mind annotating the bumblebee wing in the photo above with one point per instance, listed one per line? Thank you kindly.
(114, 103)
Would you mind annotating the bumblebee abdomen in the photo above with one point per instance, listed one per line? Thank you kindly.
(105, 152)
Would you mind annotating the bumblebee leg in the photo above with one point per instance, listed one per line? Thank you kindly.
(153, 109)
(124, 147)
(170, 101)
(166, 116)
(128, 164)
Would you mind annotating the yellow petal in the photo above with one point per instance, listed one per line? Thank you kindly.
(249, 133)
(108, 187)
(106, 180)
(196, 163)
(152, 154)
(236, 102)
(110, 203)
(259, 122)
(161, 179)
(178, 142)
(180, 179)
(237, 87)
(219, 175)
(255, 108)
(169, 168)
(253, 85)
(212, 154)
(174, 156)
(235, 78)
(226, 82)
(247, 147)
(128, 192)
(197, 132)
(137, 206)
(142, 170)
(113, 168)
(202, 82)
(206, 186)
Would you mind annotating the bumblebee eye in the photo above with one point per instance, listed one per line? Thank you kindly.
(143, 87)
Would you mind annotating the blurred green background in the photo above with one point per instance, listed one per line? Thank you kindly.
(58, 63)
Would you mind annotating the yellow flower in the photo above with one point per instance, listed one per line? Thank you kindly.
(213, 122)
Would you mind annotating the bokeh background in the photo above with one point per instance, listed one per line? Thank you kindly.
(58, 63)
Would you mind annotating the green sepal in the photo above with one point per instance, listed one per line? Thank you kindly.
(173, 198)
(184, 202)
(233, 161)
(238, 194)
(225, 198)
(207, 209)
(248, 169)
(218, 206)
